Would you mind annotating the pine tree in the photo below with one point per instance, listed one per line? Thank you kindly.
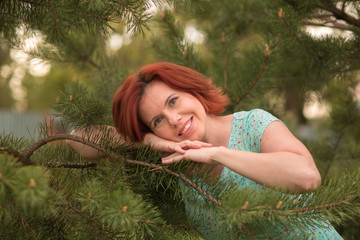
(252, 49)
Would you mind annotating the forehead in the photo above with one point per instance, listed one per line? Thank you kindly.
(153, 100)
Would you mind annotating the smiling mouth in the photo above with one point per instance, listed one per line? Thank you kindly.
(186, 127)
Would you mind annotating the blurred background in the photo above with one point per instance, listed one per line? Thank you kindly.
(298, 60)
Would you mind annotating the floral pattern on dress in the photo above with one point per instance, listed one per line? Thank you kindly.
(246, 133)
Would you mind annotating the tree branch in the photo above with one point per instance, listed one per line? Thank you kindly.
(326, 206)
(335, 148)
(335, 25)
(58, 137)
(186, 180)
(56, 19)
(299, 40)
(339, 14)
(94, 16)
(25, 161)
(26, 155)
(129, 9)
(254, 82)
(176, 36)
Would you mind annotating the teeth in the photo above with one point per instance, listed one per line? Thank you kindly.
(186, 127)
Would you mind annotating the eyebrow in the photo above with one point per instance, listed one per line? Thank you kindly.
(166, 102)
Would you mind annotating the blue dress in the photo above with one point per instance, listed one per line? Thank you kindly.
(246, 133)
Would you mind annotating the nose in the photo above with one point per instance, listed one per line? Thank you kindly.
(174, 118)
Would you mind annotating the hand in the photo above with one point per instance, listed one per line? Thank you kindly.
(201, 155)
(164, 145)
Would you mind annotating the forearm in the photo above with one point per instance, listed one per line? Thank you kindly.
(287, 170)
(93, 134)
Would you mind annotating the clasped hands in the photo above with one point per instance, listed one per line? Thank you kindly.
(196, 151)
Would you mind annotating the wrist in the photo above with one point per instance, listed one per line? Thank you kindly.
(216, 153)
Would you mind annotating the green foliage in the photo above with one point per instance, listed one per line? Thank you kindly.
(25, 191)
(80, 98)
(259, 52)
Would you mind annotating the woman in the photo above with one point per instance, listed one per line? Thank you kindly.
(176, 110)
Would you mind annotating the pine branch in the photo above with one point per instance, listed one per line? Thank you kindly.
(339, 14)
(85, 57)
(71, 165)
(18, 155)
(113, 178)
(58, 137)
(335, 148)
(257, 77)
(247, 231)
(178, 39)
(186, 180)
(335, 25)
(292, 33)
(56, 19)
(228, 7)
(44, 141)
(326, 206)
(132, 11)
(96, 17)
(27, 154)
(305, 209)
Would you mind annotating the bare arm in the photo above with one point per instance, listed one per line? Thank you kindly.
(96, 133)
(283, 161)
(93, 134)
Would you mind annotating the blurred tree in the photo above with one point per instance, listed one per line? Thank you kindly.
(263, 56)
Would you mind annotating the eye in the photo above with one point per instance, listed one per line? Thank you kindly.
(157, 121)
(173, 101)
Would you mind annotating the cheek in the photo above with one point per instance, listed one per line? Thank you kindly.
(165, 133)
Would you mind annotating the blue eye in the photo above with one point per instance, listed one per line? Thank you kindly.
(173, 101)
(157, 121)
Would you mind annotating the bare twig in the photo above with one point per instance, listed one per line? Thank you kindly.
(335, 25)
(339, 14)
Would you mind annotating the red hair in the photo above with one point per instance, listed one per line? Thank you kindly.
(127, 97)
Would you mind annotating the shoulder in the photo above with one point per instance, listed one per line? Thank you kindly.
(248, 128)
(257, 118)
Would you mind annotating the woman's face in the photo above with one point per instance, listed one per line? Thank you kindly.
(172, 114)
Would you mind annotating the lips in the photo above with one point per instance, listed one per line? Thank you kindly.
(186, 128)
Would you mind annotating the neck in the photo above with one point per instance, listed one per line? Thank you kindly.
(218, 130)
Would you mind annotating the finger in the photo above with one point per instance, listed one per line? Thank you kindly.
(204, 144)
(190, 144)
(178, 149)
(172, 160)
